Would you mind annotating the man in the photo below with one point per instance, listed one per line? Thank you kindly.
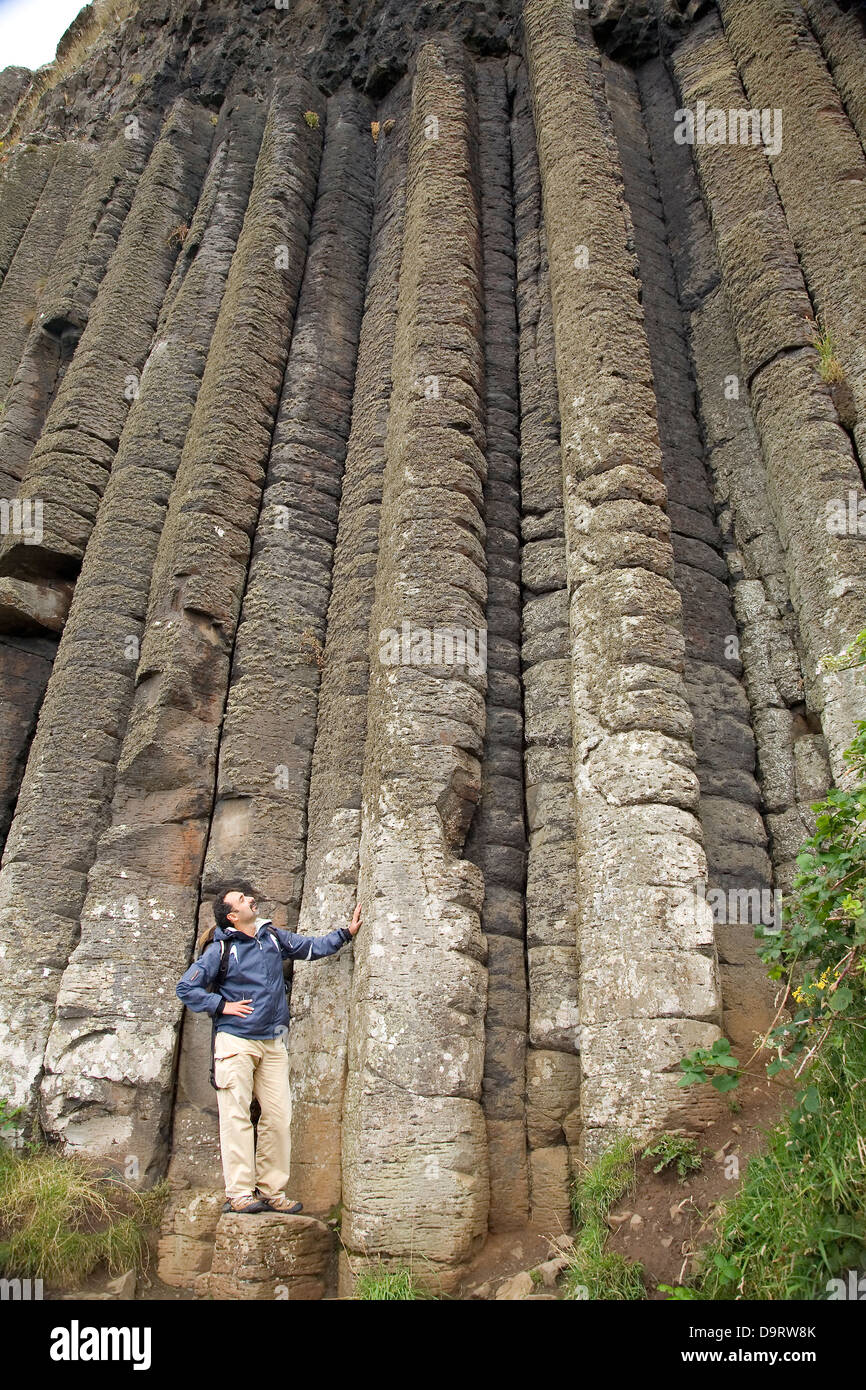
(251, 1018)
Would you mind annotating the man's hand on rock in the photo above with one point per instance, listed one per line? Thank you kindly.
(355, 924)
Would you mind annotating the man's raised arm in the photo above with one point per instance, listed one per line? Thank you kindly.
(296, 947)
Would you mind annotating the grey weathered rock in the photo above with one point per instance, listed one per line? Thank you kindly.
(328, 335)
(189, 1228)
(268, 1256)
(112, 1048)
(321, 991)
(416, 1044)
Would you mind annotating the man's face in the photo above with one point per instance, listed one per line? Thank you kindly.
(242, 908)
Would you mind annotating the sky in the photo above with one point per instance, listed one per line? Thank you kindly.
(30, 30)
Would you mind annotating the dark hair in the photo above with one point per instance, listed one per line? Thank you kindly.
(221, 908)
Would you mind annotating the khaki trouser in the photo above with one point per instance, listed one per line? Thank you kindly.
(243, 1068)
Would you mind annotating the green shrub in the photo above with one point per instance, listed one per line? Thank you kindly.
(799, 1218)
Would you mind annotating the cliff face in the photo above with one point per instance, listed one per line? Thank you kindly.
(418, 484)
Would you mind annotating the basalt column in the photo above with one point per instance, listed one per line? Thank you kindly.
(734, 833)
(110, 1060)
(65, 796)
(20, 187)
(26, 278)
(649, 988)
(259, 820)
(792, 760)
(64, 304)
(25, 666)
(842, 35)
(497, 839)
(818, 164)
(320, 989)
(70, 464)
(415, 1174)
(553, 1064)
(809, 457)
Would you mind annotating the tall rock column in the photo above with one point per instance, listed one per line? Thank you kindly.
(109, 1063)
(71, 284)
(70, 464)
(23, 286)
(552, 1060)
(259, 821)
(65, 797)
(497, 840)
(25, 666)
(842, 36)
(321, 989)
(818, 163)
(415, 1177)
(811, 466)
(649, 989)
(734, 833)
(20, 186)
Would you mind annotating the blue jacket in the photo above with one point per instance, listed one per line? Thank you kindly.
(255, 972)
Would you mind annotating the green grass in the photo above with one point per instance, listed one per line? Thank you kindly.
(60, 1218)
(799, 1218)
(829, 366)
(593, 1272)
(392, 1285)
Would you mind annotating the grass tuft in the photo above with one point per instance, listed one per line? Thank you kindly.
(379, 1284)
(593, 1272)
(60, 1218)
(829, 366)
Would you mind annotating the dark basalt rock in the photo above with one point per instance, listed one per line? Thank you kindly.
(340, 344)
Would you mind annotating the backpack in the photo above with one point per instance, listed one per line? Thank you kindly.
(216, 988)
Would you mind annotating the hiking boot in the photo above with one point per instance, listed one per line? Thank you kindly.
(280, 1203)
(246, 1203)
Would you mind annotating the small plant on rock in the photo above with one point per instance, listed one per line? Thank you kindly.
(8, 1113)
(675, 1149)
(312, 119)
(829, 366)
(312, 648)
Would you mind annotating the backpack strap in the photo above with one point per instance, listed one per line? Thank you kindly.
(222, 970)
